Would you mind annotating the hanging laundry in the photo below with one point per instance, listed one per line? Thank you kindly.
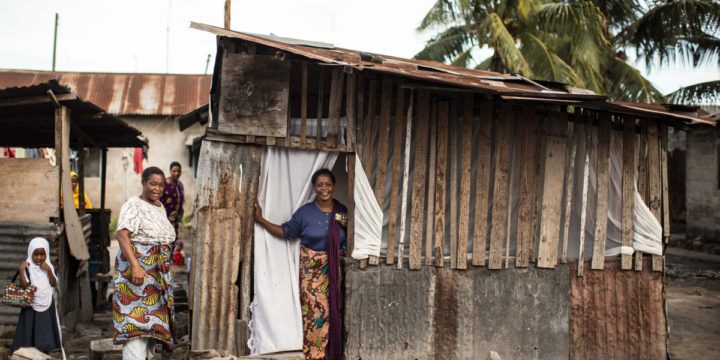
(9, 152)
(138, 160)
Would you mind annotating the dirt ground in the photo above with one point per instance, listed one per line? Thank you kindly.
(693, 303)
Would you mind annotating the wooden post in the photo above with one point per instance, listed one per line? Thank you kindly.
(569, 186)
(415, 239)
(350, 91)
(430, 216)
(440, 188)
(498, 230)
(103, 178)
(419, 179)
(227, 14)
(628, 189)
(482, 184)
(584, 137)
(381, 166)
(303, 106)
(371, 131)
(641, 151)
(665, 193)
(552, 193)
(541, 145)
(654, 182)
(453, 188)
(526, 204)
(396, 181)
(351, 202)
(465, 178)
(336, 97)
(81, 178)
(602, 186)
(320, 106)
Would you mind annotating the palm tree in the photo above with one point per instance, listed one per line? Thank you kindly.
(570, 41)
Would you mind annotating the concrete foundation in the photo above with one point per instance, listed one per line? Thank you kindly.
(438, 313)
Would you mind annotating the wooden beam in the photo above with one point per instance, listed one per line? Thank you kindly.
(36, 100)
(321, 99)
(569, 186)
(419, 180)
(440, 185)
(526, 203)
(583, 162)
(350, 102)
(351, 203)
(552, 192)
(381, 166)
(228, 6)
(482, 184)
(336, 97)
(665, 184)
(602, 174)
(465, 178)
(361, 134)
(371, 131)
(81, 179)
(399, 125)
(654, 182)
(539, 183)
(453, 188)
(628, 189)
(430, 216)
(303, 104)
(498, 231)
(641, 151)
(103, 178)
(414, 258)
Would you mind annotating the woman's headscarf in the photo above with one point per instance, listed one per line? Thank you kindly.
(76, 193)
(39, 277)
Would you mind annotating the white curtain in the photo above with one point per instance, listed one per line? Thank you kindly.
(276, 322)
(368, 216)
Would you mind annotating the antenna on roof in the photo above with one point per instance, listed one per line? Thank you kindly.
(207, 63)
(57, 17)
(227, 14)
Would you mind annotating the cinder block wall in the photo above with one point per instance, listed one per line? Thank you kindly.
(438, 313)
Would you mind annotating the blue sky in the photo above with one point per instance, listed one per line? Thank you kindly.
(116, 36)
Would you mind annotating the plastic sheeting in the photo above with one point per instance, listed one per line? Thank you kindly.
(368, 216)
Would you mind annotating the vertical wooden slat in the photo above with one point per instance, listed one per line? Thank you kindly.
(361, 134)
(482, 184)
(440, 188)
(396, 181)
(512, 175)
(350, 98)
(351, 203)
(628, 189)
(498, 231)
(419, 179)
(303, 105)
(664, 176)
(371, 133)
(541, 146)
(336, 96)
(465, 178)
(430, 215)
(569, 186)
(654, 182)
(641, 151)
(453, 188)
(602, 185)
(321, 99)
(381, 166)
(552, 192)
(526, 205)
(583, 162)
(413, 258)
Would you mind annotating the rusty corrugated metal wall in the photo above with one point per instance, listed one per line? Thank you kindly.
(617, 314)
(222, 253)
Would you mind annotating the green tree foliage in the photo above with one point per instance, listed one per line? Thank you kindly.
(578, 42)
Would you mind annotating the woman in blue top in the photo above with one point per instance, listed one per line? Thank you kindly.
(321, 227)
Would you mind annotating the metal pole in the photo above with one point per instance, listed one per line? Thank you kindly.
(207, 63)
(227, 14)
(55, 41)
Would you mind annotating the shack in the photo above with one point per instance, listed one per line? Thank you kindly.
(49, 115)
(518, 216)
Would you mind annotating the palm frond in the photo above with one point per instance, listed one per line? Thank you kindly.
(440, 15)
(492, 32)
(547, 65)
(485, 64)
(707, 93)
(624, 82)
(447, 45)
(463, 59)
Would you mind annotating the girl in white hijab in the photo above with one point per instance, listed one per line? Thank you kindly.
(38, 325)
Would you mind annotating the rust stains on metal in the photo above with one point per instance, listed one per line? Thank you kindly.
(124, 94)
(617, 314)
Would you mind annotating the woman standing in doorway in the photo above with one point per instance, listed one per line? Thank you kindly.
(173, 196)
(321, 227)
(143, 298)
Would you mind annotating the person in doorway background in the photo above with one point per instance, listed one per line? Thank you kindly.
(76, 192)
(321, 227)
(142, 304)
(173, 197)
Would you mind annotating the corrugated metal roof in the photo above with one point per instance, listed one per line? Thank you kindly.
(124, 94)
(25, 121)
